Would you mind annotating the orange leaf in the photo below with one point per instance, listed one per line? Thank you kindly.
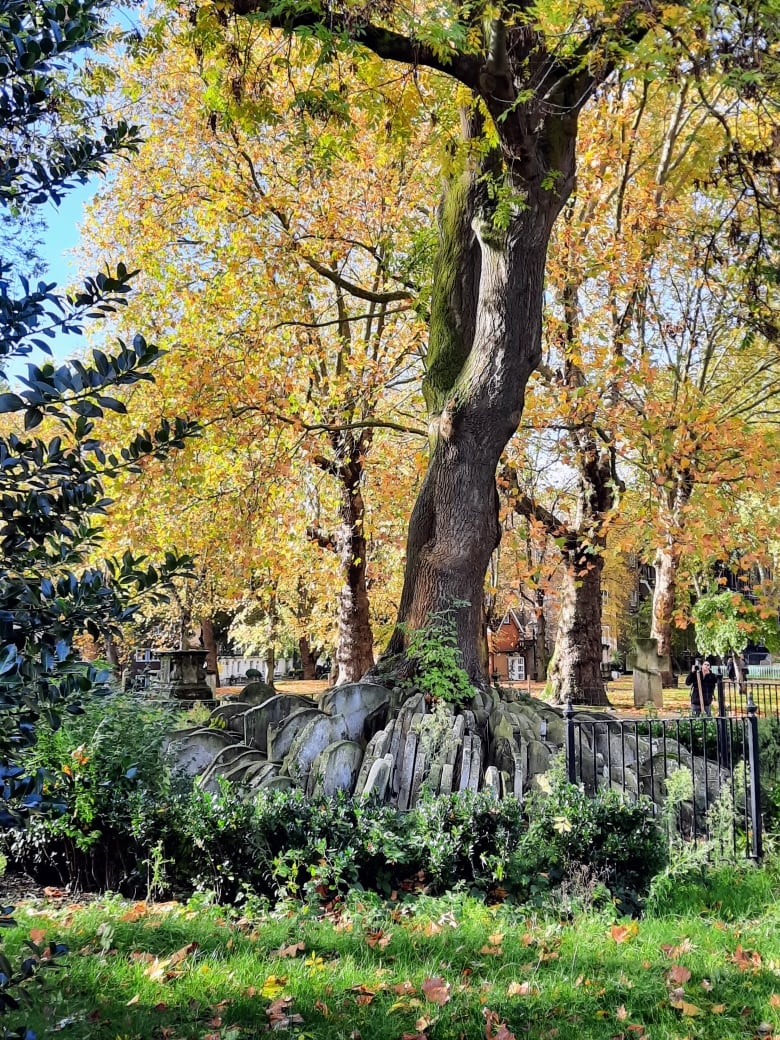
(774, 1000)
(378, 938)
(37, 935)
(717, 1009)
(495, 1030)
(678, 974)
(436, 990)
(623, 932)
(291, 951)
(492, 951)
(180, 955)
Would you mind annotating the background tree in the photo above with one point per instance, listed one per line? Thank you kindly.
(298, 306)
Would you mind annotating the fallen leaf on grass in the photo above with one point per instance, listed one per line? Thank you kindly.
(774, 1000)
(273, 986)
(404, 989)
(378, 938)
(678, 974)
(717, 1009)
(621, 1014)
(746, 960)
(291, 951)
(689, 1010)
(494, 1029)
(520, 989)
(436, 990)
(423, 1023)
(623, 932)
(493, 951)
(279, 1015)
(136, 910)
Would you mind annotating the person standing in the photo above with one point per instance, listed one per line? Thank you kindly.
(703, 683)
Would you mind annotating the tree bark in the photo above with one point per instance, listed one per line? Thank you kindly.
(575, 672)
(355, 646)
(664, 594)
(308, 658)
(454, 524)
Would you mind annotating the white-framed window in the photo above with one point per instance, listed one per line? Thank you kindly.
(516, 667)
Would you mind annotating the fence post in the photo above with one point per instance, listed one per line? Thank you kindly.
(757, 843)
(722, 729)
(571, 758)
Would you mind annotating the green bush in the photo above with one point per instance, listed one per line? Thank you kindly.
(105, 768)
(616, 842)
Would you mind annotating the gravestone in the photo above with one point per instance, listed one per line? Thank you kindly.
(182, 675)
(649, 666)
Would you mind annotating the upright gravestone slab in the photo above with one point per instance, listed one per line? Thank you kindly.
(648, 668)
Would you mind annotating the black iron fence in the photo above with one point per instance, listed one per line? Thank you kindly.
(638, 756)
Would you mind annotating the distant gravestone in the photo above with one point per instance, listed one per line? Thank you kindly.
(649, 667)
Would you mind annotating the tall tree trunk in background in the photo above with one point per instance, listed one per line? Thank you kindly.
(308, 659)
(575, 671)
(540, 648)
(210, 646)
(664, 594)
(355, 645)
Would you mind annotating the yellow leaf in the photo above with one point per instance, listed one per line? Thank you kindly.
(689, 1010)
(273, 986)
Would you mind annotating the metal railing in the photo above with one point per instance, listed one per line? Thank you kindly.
(637, 757)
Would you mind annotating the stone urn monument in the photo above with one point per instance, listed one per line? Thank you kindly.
(182, 675)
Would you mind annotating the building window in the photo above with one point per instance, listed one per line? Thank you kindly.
(516, 665)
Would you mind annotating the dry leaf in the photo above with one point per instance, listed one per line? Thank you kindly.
(678, 974)
(436, 990)
(492, 951)
(378, 938)
(291, 951)
(133, 1000)
(496, 938)
(403, 989)
(621, 1014)
(495, 1030)
(774, 1000)
(181, 954)
(323, 1008)
(623, 932)
(717, 1009)
(689, 1010)
(519, 989)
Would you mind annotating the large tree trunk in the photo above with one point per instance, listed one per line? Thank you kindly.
(575, 672)
(663, 603)
(485, 342)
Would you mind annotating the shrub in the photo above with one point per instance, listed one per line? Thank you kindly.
(106, 769)
(618, 841)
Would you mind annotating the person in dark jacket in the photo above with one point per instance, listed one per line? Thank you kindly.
(703, 683)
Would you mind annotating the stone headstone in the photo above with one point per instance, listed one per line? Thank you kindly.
(364, 706)
(270, 712)
(193, 751)
(257, 692)
(335, 769)
(281, 734)
(311, 741)
(648, 666)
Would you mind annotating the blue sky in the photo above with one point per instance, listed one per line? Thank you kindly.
(61, 235)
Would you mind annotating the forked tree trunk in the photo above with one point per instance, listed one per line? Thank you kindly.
(666, 563)
(575, 672)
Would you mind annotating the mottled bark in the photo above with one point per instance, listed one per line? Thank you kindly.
(666, 564)
(454, 525)
(575, 671)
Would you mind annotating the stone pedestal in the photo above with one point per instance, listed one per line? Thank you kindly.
(648, 666)
(182, 675)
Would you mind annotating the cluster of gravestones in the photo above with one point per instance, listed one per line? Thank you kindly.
(364, 739)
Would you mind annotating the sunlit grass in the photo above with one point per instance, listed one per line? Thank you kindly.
(705, 964)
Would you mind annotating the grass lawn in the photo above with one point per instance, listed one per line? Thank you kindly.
(705, 964)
